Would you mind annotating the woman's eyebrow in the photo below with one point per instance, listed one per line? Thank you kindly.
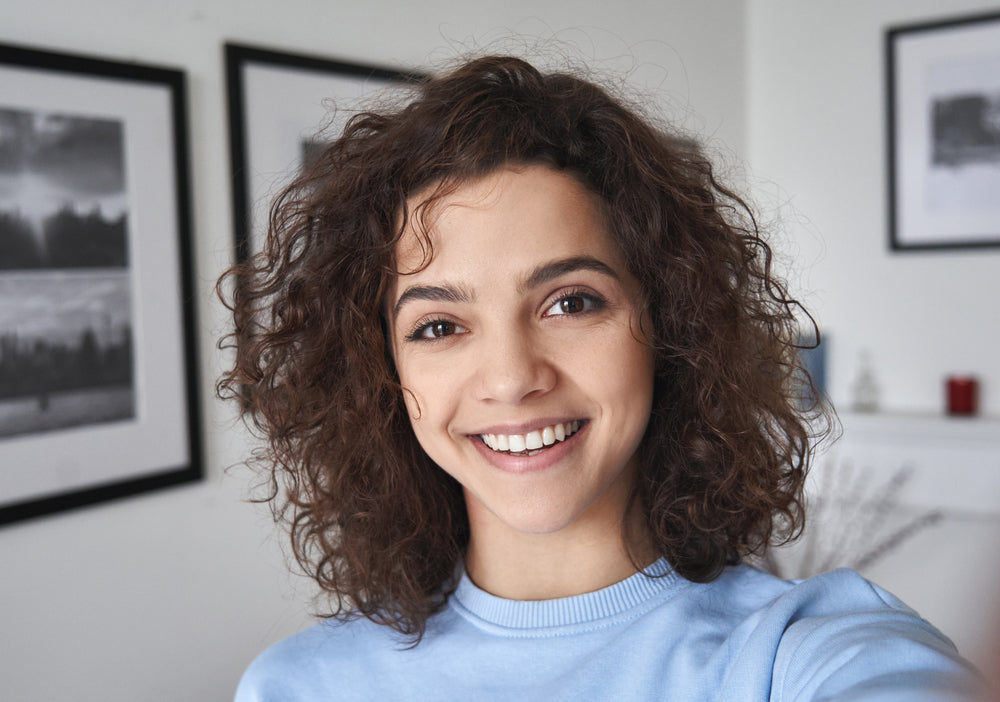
(552, 270)
(539, 276)
(434, 293)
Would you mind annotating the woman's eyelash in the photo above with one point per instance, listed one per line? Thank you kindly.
(590, 302)
(445, 328)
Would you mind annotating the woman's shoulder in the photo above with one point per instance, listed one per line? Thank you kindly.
(838, 600)
(836, 590)
(301, 667)
(836, 634)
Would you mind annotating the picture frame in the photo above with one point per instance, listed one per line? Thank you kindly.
(279, 103)
(943, 119)
(98, 373)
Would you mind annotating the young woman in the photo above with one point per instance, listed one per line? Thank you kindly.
(530, 394)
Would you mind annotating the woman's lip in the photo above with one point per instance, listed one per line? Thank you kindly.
(546, 457)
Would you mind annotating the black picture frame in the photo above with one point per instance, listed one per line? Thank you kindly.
(943, 124)
(98, 368)
(277, 101)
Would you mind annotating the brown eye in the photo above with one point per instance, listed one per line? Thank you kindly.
(569, 305)
(575, 303)
(437, 329)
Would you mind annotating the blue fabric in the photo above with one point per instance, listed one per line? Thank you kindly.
(746, 636)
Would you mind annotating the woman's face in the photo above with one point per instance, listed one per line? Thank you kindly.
(519, 353)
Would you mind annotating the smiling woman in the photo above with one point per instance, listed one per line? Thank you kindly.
(530, 394)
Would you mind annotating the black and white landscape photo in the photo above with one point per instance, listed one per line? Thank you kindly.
(964, 136)
(966, 130)
(66, 351)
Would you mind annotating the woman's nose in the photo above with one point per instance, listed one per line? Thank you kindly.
(513, 369)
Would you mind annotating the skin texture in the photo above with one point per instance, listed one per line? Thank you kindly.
(525, 317)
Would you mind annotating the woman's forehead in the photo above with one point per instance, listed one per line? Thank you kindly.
(515, 195)
(425, 210)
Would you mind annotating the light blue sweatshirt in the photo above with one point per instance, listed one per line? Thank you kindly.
(746, 636)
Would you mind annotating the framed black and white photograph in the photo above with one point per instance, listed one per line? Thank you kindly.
(943, 82)
(97, 370)
(281, 107)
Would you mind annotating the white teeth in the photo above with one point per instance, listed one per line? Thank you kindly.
(549, 436)
(533, 441)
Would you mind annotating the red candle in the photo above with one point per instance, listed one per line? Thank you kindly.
(963, 395)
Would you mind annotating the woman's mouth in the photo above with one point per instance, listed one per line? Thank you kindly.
(534, 442)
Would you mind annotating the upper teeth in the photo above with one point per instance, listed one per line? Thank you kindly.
(546, 436)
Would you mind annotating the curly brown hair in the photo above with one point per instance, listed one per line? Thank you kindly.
(372, 519)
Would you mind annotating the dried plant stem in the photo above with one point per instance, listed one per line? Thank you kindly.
(847, 518)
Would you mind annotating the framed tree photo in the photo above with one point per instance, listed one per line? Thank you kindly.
(97, 358)
(280, 107)
(944, 133)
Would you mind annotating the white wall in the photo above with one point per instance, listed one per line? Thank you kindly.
(816, 135)
(816, 147)
(169, 595)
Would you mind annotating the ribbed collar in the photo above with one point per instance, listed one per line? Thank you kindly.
(565, 611)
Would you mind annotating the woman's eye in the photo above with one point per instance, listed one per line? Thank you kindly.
(573, 304)
(435, 330)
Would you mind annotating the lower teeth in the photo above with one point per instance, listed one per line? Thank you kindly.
(533, 452)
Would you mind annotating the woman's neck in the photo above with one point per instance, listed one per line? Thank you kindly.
(586, 556)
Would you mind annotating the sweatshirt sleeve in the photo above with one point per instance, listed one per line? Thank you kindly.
(849, 640)
(296, 669)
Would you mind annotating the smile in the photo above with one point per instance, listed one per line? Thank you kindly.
(532, 443)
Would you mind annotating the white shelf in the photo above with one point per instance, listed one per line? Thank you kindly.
(904, 425)
(955, 460)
